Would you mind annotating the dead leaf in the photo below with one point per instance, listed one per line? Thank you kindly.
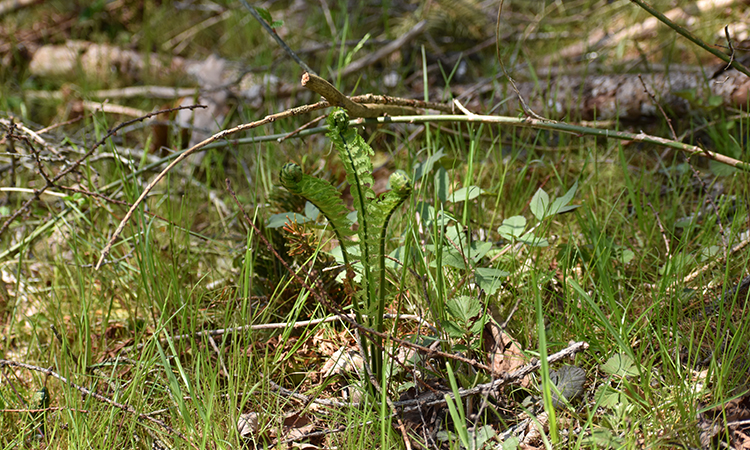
(247, 425)
(728, 423)
(342, 362)
(505, 352)
(296, 426)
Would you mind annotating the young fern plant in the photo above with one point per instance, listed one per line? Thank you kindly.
(373, 215)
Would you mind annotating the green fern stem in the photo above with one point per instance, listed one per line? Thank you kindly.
(400, 191)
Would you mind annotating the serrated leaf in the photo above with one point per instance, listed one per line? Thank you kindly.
(453, 330)
(277, 24)
(620, 364)
(512, 227)
(464, 308)
(278, 220)
(539, 204)
(466, 193)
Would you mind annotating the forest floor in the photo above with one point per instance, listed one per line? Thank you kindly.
(529, 230)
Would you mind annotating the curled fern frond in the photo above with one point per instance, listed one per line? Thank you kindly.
(400, 184)
(290, 174)
(321, 194)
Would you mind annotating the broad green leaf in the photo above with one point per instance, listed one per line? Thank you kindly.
(626, 256)
(534, 241)
(539, 204)
(602, 438)
(512, 227)
(451, 257)
(463, 307)
(565, 209)
(479, 436)
(397, 254)
(511, 443)
(479, 249)
(620, 364)
(311, 211)
(466, 193)
(606, 396)
(278, 220)
(560, 205)
(453, 330)
(489, 280)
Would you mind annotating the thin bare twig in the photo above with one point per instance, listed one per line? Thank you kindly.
(692, 38)
(218, 136)
(731, 48)
(276, 37)
(696, 273)
(433, 399)
(336, 98)
(661, 229)
(79, 161)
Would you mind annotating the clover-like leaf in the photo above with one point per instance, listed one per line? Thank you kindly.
(466, 193)
(464, 308)
(278, 220)
(620, 364)
(512, 227)
(539, 204)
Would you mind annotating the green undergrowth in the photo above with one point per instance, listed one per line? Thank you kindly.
(565, 237)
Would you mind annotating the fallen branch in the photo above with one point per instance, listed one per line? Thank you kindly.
(433, 399)
(336, 98)
(528, 122)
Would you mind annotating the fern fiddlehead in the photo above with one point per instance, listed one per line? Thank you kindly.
(373, 214)
(324, 196)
